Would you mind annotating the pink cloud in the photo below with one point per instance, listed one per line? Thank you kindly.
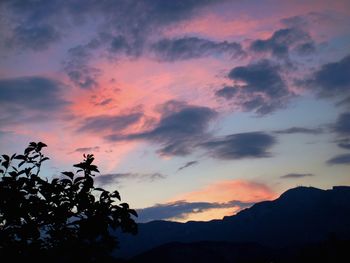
(224, 192)
(228, 190)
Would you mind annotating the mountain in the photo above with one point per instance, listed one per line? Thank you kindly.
(328, 251)
(300, 216)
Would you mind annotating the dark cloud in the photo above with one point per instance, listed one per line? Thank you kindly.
(341, 128)
(263, 90)
(34, 37)
(343, 143)
(283, 40)
(87, 149)
(303, 21)
(178, 131)
(188, 164)
(305, 48)
(170, 107)
(332, 79)
(227, 92)
(295, 21)
(304, 130)
(134, 19)
(114, 123)
(29, 98)
(342, 125)
(121, 27)
(340, 159)
(106, 179)
(193, 47)
(344, 102)
(263, 76)
(33, 93)
(120, 44)
(296, 175)
(241, 145)
(181, 209)
(77, 65)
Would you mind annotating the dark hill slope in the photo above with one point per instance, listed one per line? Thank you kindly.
(299, 216)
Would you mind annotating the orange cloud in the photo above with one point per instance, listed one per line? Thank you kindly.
(228, 190)
(223, 192)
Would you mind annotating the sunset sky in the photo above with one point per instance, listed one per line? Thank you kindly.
(194, 109)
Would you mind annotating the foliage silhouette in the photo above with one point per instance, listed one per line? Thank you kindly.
(63, 220)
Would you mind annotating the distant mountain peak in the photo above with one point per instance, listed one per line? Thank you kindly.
(300, 215)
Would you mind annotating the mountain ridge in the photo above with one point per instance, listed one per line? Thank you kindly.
(298, 216)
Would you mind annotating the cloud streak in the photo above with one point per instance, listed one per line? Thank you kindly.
(296, 175)
(241, 145)
(177, 132)
(342, 159)
(301, 130)
(342, 124)
(186, 165)
(30, 98)
(114, 178)
(193, 47)
(114, 123)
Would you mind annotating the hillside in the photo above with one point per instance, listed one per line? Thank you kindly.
(302, 215)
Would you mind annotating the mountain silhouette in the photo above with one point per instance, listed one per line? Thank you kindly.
(299, 217)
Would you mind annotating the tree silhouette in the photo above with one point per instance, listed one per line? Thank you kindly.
(66, 219)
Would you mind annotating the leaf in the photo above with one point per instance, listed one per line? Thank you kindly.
(28, 150)
(78, 179)
(94, 168)
(20, 157)
(124, 205)
(54, 181)
(6, 157)
(45, 158)
(21, 172)
(133, 212)
(69, 174)
(5, 164)
(13, 174)
(116, 195)
(80, 165)
(39, 146)
(66, 181)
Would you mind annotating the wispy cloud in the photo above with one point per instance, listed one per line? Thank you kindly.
(241, 145)
(106, 179)
(340, 159)
(177, 131)
(302, 130)
(186, 165)
(193, 47)
(112, 123)
(296, 175)
(30, 98)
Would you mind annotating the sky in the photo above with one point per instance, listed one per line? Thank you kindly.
(193, 109)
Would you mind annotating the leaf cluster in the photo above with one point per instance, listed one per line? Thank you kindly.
(61, 220)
